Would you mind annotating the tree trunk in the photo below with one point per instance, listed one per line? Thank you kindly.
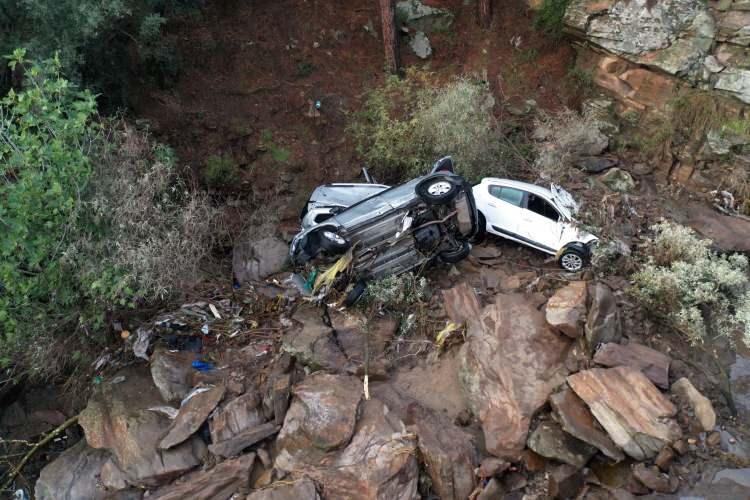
(390, 40)
(485, 13)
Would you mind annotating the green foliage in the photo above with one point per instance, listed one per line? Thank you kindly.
(278, 153)
(220, 171)
(698, 292)
(406, 125)
(304, 69)
(581, 80)
(91, 221)
(549, 17)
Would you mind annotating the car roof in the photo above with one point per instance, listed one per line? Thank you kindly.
(525, 186)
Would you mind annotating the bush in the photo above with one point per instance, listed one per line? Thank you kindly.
(549, 18)
(698, 292)
(408, 124)
(92, 219)
(220, 171)
(562, 138)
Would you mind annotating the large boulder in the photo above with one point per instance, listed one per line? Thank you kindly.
(511, 362)
(653, 364)
(637, 417)
(118, 418)
(301, 489)
(172, 372)
(311, 341)
(236, 416)
(603, 318)
(192, 414)
(373, 459)
(218, 483)
(256, 260)
(672, 35)
(550, 441)
(566, 309)
(701, 405)
(74, 475)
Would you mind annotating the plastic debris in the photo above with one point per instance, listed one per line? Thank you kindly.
(202, 366)
(140, 346)
(97, 380)
(170, 412)
(204, 329)
(443, 335)
(214, 311)
(190, 343)
(329, 276)
(20, 494)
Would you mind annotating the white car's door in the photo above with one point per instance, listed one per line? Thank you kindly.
(502, 209)
(541, 223)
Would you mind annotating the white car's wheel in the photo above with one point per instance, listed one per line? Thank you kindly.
(572, 260)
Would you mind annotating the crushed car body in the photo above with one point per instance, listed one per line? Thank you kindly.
(535, 216)
(396, 229)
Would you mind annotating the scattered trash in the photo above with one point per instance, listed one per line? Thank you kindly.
(140, 347)
(189, 343)
(101, 361)
(97, 380)
(118, 379)
(327, 278)
(443, 335)
(214, 311)
(202, 366)
(20, 494)
(125, 334)
(170, 412)
(204, 329)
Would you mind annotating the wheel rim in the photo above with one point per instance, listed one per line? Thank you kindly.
(572, 262)
(439, 188)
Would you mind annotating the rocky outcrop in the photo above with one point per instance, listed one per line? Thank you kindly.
(74, 475)
(256, 260)
(301, 489)
(603, 317)
(117, 418)
(312, 343)
(236, 416)
(172, 372)
(700, 404)
(550, 441)
(652, 363)
(219, 482)
(566, 309)
(637, 417)
(192, 414)
(511, 362)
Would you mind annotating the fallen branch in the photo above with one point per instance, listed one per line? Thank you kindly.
(49, 437)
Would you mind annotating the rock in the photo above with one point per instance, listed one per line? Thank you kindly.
(510, 364)
(73, 475)
(279, 394)
(595, 164)
(739, 476)
(220, 482)
(736, 82)
(302, 489)
(172, 372)
(311, 342)
(673, 35)
(322, 416)
(377, 463)
(191, 416)
(236, 416)
(493, 490)
(349, 331)
(117, 418)
(701, 405)
(256, 260)
(112, 477)
(664, 459)
(233, 446)
(618, 180)
(739, 378)
(461, 303)
(728, 233)
(652, 363)
(420, 17)
(492, 466)
(447, 451)
(550, 441)
(733, 446)
(517, 281)
(566, 309)
(637, 417)
(654, 479)
(603, 319)
(713, 439)
(565, 481)
(576, 419)
(420, 45)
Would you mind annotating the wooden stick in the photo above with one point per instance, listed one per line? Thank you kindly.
(49, 437)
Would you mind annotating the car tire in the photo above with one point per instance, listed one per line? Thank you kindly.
(437, 190)
(481, 229)
(572, 260)
(332, 245)
(455, 256)
(355, 293)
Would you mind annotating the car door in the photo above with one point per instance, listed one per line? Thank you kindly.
(503, 209)
(541, 223)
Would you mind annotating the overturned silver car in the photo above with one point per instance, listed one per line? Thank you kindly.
(390, 230)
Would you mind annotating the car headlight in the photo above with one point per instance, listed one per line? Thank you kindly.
(330, 235)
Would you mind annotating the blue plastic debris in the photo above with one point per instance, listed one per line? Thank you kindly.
(202, 366)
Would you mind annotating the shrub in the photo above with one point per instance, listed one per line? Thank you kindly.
(549, 18)
(93, 219)
(697, 291)
(397, 293)
(562, 138)
(220, 171)
(408, 124)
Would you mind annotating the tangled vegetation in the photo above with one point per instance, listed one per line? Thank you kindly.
(409, 123)
(550, 17)
(93, 217)
(697, 291)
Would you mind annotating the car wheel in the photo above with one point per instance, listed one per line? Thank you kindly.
(481, 229)
(572, 260)
(355, 293)
(437, 190)
(332, 242)
(454, 256)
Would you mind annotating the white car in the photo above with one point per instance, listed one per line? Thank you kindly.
(534, 216)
